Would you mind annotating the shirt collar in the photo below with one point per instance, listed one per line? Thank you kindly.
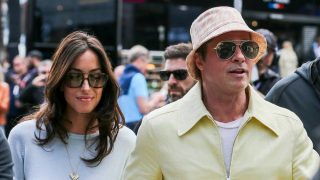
(192, 110)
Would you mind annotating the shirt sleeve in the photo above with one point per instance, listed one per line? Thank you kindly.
(143, 164)
(139, 86)
(5, 98)
(5, 159)
(17, 148)
(305, 159)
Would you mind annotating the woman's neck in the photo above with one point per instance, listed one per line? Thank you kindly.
(78, 123)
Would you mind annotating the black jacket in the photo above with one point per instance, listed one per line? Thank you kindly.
(6, 165)
(300, 93)
(266, 81)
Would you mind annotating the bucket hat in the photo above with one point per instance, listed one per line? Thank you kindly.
(214, 22)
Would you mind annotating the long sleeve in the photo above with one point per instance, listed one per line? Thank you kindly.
(143, 163)
(305, 159)
(5, 98)
(17, 149)
(5, 159)
(4, 102)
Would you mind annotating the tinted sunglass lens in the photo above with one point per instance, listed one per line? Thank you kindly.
(74, 80)
(97, 80)
(226, 49)
(180, 74)
(164, 75)
(250, 49)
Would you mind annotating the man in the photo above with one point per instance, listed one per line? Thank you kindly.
(33, 95)
(6, 164)
(18, 79)
(134, 100)
(222, 129)
(175, 71)
(300, 93)
(267, 77)
(35, 57)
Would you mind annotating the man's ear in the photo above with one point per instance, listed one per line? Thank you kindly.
(198, 61)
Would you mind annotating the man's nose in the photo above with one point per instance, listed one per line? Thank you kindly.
(238, 55)
(172, 79)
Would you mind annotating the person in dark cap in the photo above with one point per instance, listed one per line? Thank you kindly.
(34, 57)
(267, 77)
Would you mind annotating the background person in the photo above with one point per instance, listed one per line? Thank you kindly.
(175, 71)
(6, 164)
(175, 74)
(78, 131)
(288, 60)
(222, 129)
(33, 95)
(300, 93)
(267, 77)
(134, 100)
(34, 57)
(18, 78)
(4, 101)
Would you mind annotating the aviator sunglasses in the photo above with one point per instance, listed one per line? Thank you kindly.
(180, 74)
(226, 49)
(76, 79)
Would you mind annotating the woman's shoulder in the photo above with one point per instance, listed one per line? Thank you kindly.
(23, 129)
(126, 136)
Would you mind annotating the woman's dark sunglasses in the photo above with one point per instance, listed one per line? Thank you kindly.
(76, 79)
(180, 74)
(226, 49)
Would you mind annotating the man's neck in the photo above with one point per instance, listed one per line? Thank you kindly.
(225, 107)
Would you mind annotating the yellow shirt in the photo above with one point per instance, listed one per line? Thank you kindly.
(181, 141)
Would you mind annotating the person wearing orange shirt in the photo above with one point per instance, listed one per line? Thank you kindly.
(4, 101)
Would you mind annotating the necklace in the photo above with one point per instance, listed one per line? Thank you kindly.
(74, 174)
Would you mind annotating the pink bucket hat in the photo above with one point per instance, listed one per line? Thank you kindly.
(214, 22)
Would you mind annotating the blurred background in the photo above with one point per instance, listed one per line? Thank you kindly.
(120, 24)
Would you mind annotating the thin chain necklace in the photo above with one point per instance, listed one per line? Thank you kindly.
(74, 174)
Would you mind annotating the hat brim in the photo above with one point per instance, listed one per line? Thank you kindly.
(193, 70)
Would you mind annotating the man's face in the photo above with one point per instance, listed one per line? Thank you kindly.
(142, 63)
(177, 88)
(265, 62)
(225, 76)
(20, 65)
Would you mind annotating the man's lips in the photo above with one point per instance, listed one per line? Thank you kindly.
(238, 70)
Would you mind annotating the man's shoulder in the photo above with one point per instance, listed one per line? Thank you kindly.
(286, 84)
(164, 118)
(138, 77)
(168, 110)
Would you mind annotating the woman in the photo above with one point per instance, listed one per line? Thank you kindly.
(78, 133)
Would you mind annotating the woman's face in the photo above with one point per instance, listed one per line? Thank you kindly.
(82, 98)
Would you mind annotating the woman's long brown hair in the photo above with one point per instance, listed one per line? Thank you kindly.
(51, 114)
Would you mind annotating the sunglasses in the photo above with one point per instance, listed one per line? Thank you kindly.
(76, 79)
(226, 49)
(44, 72)
(180, 74)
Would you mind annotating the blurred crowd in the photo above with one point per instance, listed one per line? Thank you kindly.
(277, 77)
